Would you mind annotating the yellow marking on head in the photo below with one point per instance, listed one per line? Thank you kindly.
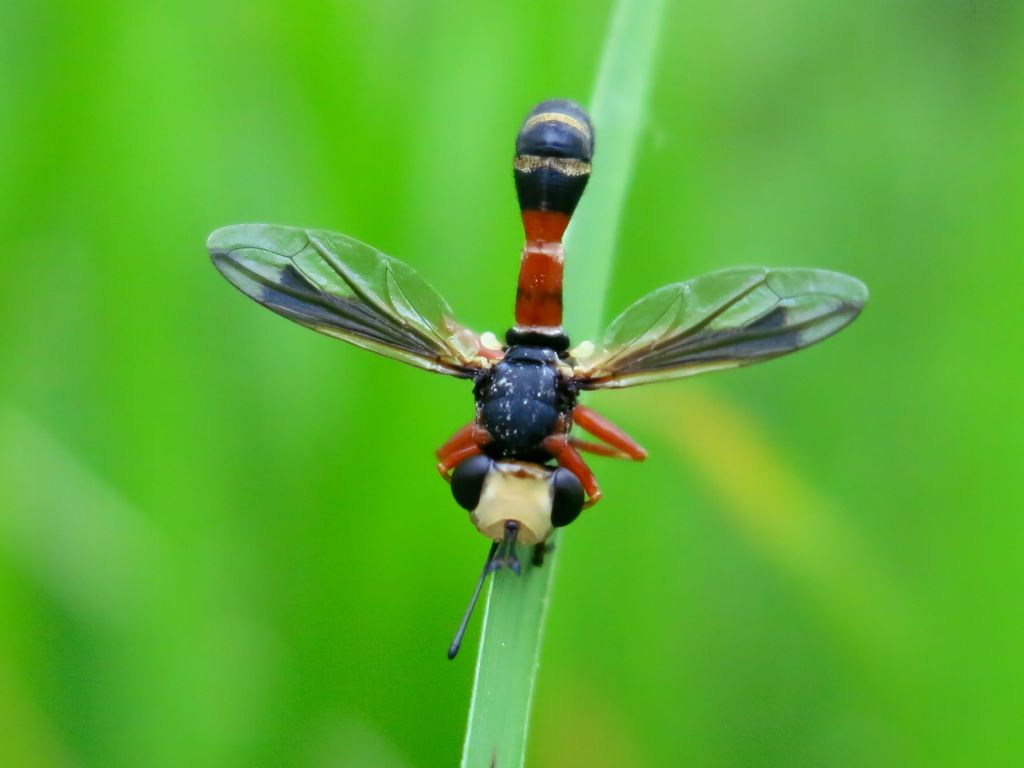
(557, 117)
(515, 490)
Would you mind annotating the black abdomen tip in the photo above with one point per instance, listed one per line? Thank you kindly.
(553, 151)
(557, 128)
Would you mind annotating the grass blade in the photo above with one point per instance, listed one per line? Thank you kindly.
(618, 109)
(516, 607)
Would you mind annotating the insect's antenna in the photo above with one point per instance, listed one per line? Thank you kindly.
(457, 642)
(552, 166)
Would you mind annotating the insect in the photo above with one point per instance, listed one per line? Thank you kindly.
(517, 466)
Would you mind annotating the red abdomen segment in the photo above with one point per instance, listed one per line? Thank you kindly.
(539, 294)
(552, 166)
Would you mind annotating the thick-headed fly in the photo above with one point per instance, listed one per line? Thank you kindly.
(516, 467)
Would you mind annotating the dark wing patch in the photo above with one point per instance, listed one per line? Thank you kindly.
(345, 289)
(722, 320)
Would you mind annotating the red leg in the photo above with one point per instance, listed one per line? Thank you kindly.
(599, 449)
(454, 458)
(465, 443)
(460, 439)
(567, 456)
(603, 429)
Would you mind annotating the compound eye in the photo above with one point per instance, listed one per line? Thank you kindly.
(567, 499)
(468, 481)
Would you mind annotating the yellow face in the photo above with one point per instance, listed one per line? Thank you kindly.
(515, 490)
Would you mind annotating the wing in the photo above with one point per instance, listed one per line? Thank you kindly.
(721, 320)
(343, 288)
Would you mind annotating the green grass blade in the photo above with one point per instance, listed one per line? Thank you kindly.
(516, 607)
(79, 539)
(618, 109)
(507, 662)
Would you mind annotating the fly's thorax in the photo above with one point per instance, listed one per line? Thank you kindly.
(521, 402)
(537, 497)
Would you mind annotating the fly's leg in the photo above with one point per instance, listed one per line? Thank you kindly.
(568, 457)
(598, 449)
(624, 446)
(453, 459)
(462, 438)
(468, 441)
(539, 550)
(507, 550)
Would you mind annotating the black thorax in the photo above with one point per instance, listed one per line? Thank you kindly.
(521, 401)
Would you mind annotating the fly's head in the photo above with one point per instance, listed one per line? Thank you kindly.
(536, 498)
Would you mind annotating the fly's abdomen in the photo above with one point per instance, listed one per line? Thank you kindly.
(552, 165)
(553, 152)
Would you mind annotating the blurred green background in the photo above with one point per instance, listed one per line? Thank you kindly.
(222, 539)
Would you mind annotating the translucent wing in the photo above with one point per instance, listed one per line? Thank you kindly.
(343, 288)
(721, 320)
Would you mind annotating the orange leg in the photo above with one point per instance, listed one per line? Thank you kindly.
(465, 443)
(460, 439)
(603, 429)
(599, 449)
(567, 456)
(455, 458)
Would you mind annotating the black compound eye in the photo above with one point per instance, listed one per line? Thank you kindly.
(567, 498)
(468, 481)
